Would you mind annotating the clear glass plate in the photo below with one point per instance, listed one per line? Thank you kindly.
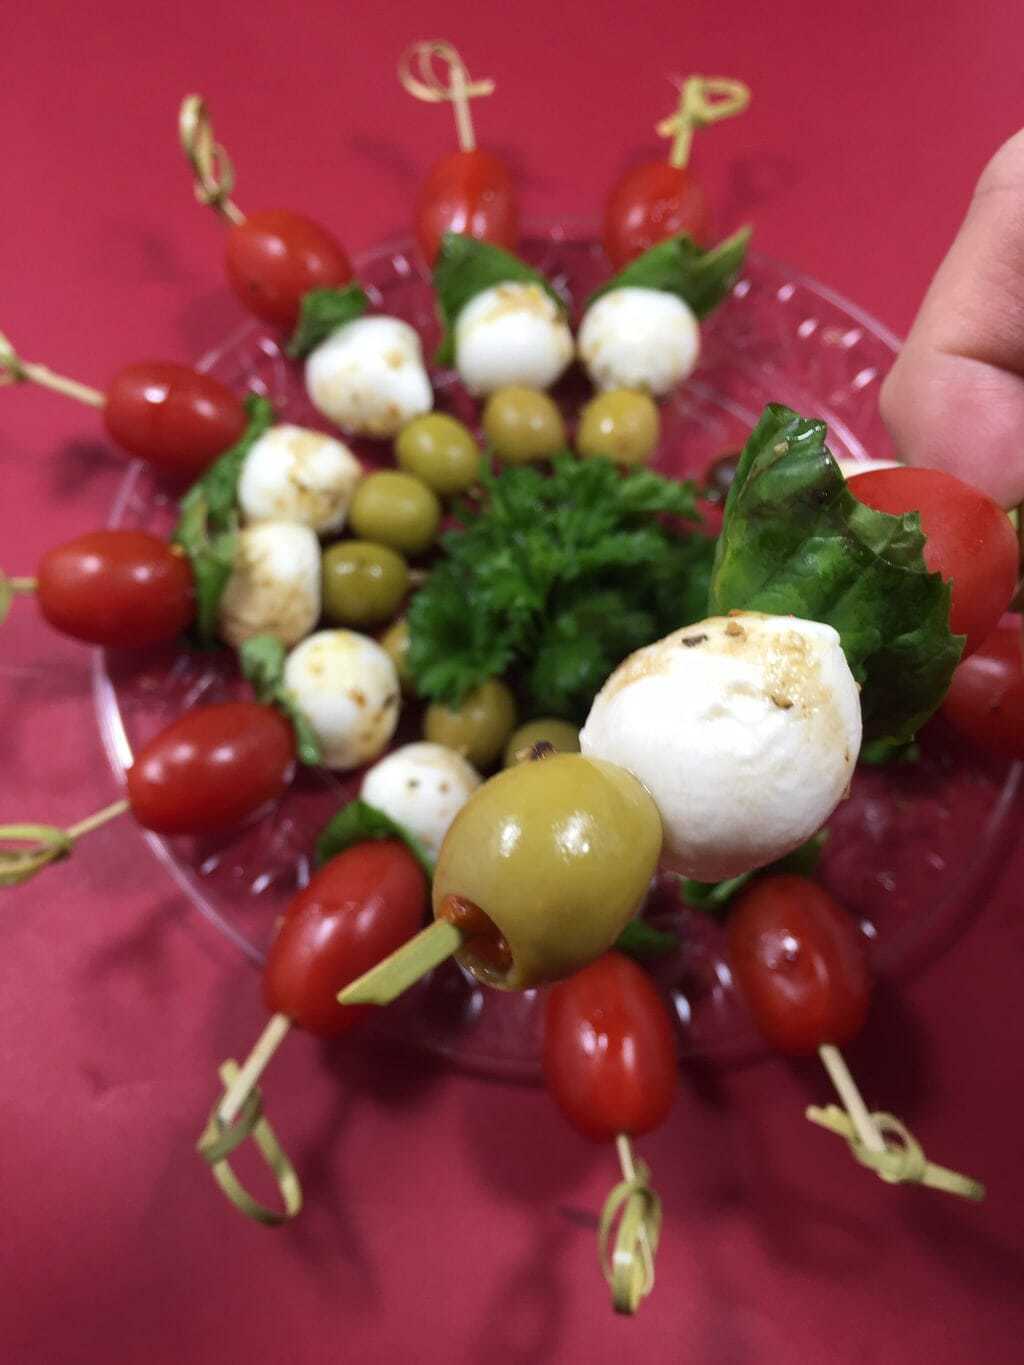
(911, 851)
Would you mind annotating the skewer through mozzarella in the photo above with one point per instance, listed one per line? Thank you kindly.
(346, 686)
(296, 475)
(745, 730)
(274, 587)
(511, 334)
(368, 377)
(421, 787)
(634, 338)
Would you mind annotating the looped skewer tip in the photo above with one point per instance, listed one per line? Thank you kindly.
(628, 1261)
(12, 367)
(212, 171)
(702, 100)
(219, 1141)
(417, 76)
(903, 1160)
(46, 843)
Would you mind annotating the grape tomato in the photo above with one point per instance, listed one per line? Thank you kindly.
(985, 701)
(175, 417)
(800, 962)
(357, 910)
(609, 1049)
(274, 258)
(969, 540)
(121, 589)
(650, 203)
(212, 768)
(469, 192)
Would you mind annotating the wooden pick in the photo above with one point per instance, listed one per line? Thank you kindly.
(386, 982)
(11, 588)
(417, 75)
(212, 172)
(628, 1262)
(14, 370)
(237, 1094)
(702, 100)
(879, 1140)
(218, 1142)
(45, 844)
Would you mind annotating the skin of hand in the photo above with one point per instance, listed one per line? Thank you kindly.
(954, 399)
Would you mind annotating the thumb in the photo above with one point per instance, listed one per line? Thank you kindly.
(954, 399)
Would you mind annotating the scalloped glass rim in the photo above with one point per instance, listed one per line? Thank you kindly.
(781, 335)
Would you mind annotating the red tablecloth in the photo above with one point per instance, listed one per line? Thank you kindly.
(447, 1217)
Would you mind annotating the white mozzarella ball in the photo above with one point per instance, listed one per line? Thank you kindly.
(347, 688)
(274, 587)
(634, 338)
(422, 787)
(368, 377)
(513, 333)
(851, 468)
(745, 730)
(294, 474)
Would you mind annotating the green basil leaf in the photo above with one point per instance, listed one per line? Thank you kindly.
(702, 279)
(712, 896)
(322, 312)
(883, 753)
(466, 267)
(208, 522)
(796, 542)
(261, 659)
(358, 822)
(642, 941)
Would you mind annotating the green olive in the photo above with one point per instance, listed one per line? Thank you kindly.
(558, 855)
(563, 738)
(440, 451)
(395, 509)
(395, 643)
(622, 425)
(479, 727)
(523, 425)
(363, 583)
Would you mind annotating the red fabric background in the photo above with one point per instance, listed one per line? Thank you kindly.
(447, 1216)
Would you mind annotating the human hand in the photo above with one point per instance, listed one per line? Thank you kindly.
(954, 399)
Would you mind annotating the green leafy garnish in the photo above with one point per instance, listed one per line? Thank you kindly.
(355, 824)
(555, 580)
(712, 896)
(643, 942)
(261, 659)
(322, 312)
(208, 521)
(702, 279)
(885, 753)
(796, 542)
(466, 267)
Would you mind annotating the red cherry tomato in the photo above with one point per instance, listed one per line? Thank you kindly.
(801, 964)
(124, 589)
(985, 700)
(652, 202)
(211, 769)
(356, 911)
(468, 192)
(174, 417)
(609, 1049)
(276, 257)
(970, 540)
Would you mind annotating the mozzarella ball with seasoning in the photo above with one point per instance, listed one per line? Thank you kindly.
(745, 729)
(511, 334)
(632, 338)
(274, 587)
(347, 688)
(421, 787)
(368, 377)
(294, 474)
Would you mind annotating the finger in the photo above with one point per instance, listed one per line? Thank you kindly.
(954, 399)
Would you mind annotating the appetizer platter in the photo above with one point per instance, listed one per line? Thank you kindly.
(521, 644)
